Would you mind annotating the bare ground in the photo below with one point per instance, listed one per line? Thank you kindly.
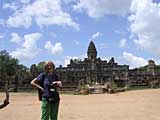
(131, 105)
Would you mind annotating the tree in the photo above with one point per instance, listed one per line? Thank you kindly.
(41, 66)
(34, 70)
(8, 66)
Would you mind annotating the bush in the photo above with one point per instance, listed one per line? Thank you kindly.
(84, 90)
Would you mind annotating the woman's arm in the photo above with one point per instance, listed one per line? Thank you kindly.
(34, 83)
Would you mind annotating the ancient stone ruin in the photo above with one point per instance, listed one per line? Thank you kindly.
(93, 70)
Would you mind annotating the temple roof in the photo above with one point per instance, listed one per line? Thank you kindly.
(92, 46)
(92, 52)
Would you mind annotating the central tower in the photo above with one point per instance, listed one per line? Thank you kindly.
(92, 52)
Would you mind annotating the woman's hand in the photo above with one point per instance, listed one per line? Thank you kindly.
(59, 83)
(43, 90)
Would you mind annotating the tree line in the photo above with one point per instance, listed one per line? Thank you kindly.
(15, 74)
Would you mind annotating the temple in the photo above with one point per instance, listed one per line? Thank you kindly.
(92, 69)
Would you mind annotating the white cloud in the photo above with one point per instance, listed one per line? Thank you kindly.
(16, 38)
(12, 6)
(134, 61)
(103, 45)
(19, 19)
(25, 1)
(2, 22)
(122, 42)
(97, 34)
(69, 1)
(1, 36)
(145, 25)
(54, 49)
(31, 39)
(76, 42)
(42, 12)
(100, 8)
(68, 58)
(29, 49)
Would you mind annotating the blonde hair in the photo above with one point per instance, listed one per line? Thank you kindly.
(49, 63)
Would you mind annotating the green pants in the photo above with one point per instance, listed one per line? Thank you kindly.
(49, 110)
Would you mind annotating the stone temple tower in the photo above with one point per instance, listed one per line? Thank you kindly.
(92, 52)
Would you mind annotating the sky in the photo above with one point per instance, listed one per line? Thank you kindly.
(59, 30)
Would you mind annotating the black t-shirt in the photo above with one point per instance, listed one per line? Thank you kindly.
(50, 88)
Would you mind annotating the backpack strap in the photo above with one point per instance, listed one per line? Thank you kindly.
(43, 78)
(41, 84)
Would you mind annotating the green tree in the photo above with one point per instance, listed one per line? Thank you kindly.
(41, 66)
(8, 66)
(34, 70)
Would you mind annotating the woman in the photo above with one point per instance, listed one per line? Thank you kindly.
(48, 83)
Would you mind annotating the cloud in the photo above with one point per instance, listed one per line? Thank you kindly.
(16, 38)
(103, 45)
(25, 1)
(76, 42)
(68, 58)
(2, 22)
(29, 49)
(97, 34)
(69, 1)
(43, 13)
(144, 24)
(122, 42)
(134, 61)
(12, 6)
(100, 8)
(1, 36)
(54, 49)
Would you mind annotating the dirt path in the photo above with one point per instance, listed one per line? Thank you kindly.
(132, 105)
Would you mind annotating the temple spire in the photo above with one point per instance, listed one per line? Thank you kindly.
(92, 52)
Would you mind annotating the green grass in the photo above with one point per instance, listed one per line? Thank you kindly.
(27, 91)
(138, 88)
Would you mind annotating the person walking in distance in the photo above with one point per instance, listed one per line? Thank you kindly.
(48, 84)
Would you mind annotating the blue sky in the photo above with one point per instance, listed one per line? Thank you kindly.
(60, 30)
